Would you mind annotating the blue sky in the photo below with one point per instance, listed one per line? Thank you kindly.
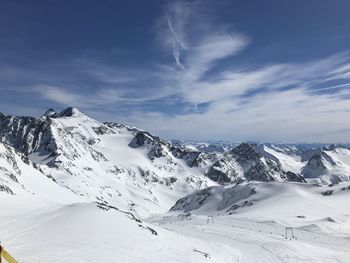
(274, 70)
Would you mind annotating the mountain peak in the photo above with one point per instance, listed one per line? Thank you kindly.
(69, 112)
(50, 112)
(246, 150)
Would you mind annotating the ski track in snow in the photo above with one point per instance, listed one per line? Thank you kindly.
(255, 240)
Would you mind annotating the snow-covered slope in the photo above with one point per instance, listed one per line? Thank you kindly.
(294, 204)
(20, 177)
(88, 232)
(268, 221)
(289, 160)
(42, 220)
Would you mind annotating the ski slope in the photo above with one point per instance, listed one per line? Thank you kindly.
(253, 241)
(83, 232)
(44, 228)
(321, 224)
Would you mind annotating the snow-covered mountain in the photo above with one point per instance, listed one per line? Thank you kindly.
(329, 165)
(208, 146)
(74, 186)
(274, 162)
(110, 162)
(322, 164)
(101, 160)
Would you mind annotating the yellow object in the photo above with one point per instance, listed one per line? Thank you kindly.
(7, 256)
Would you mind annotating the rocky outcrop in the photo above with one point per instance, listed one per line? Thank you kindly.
(27, 134)
(256, 167)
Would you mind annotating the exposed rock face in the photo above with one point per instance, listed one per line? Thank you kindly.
(217, 198)
(255, 166)
(293, 177)
(143, 139)
(156, 146)
(27, 134)
(15, 169)
(225, 171)
(315, 166)
(68, 112)
(190, 156)
(9, 166)
(50, 113)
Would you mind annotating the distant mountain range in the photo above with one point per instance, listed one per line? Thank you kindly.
(125, 166)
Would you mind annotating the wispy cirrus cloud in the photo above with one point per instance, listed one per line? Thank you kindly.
(177, 16)
(194, 41)
(306, 75)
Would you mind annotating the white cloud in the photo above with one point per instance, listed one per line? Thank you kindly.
(292, 116)
(70, 98)
(59, 95)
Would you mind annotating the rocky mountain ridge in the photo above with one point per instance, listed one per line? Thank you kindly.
(130, 168)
